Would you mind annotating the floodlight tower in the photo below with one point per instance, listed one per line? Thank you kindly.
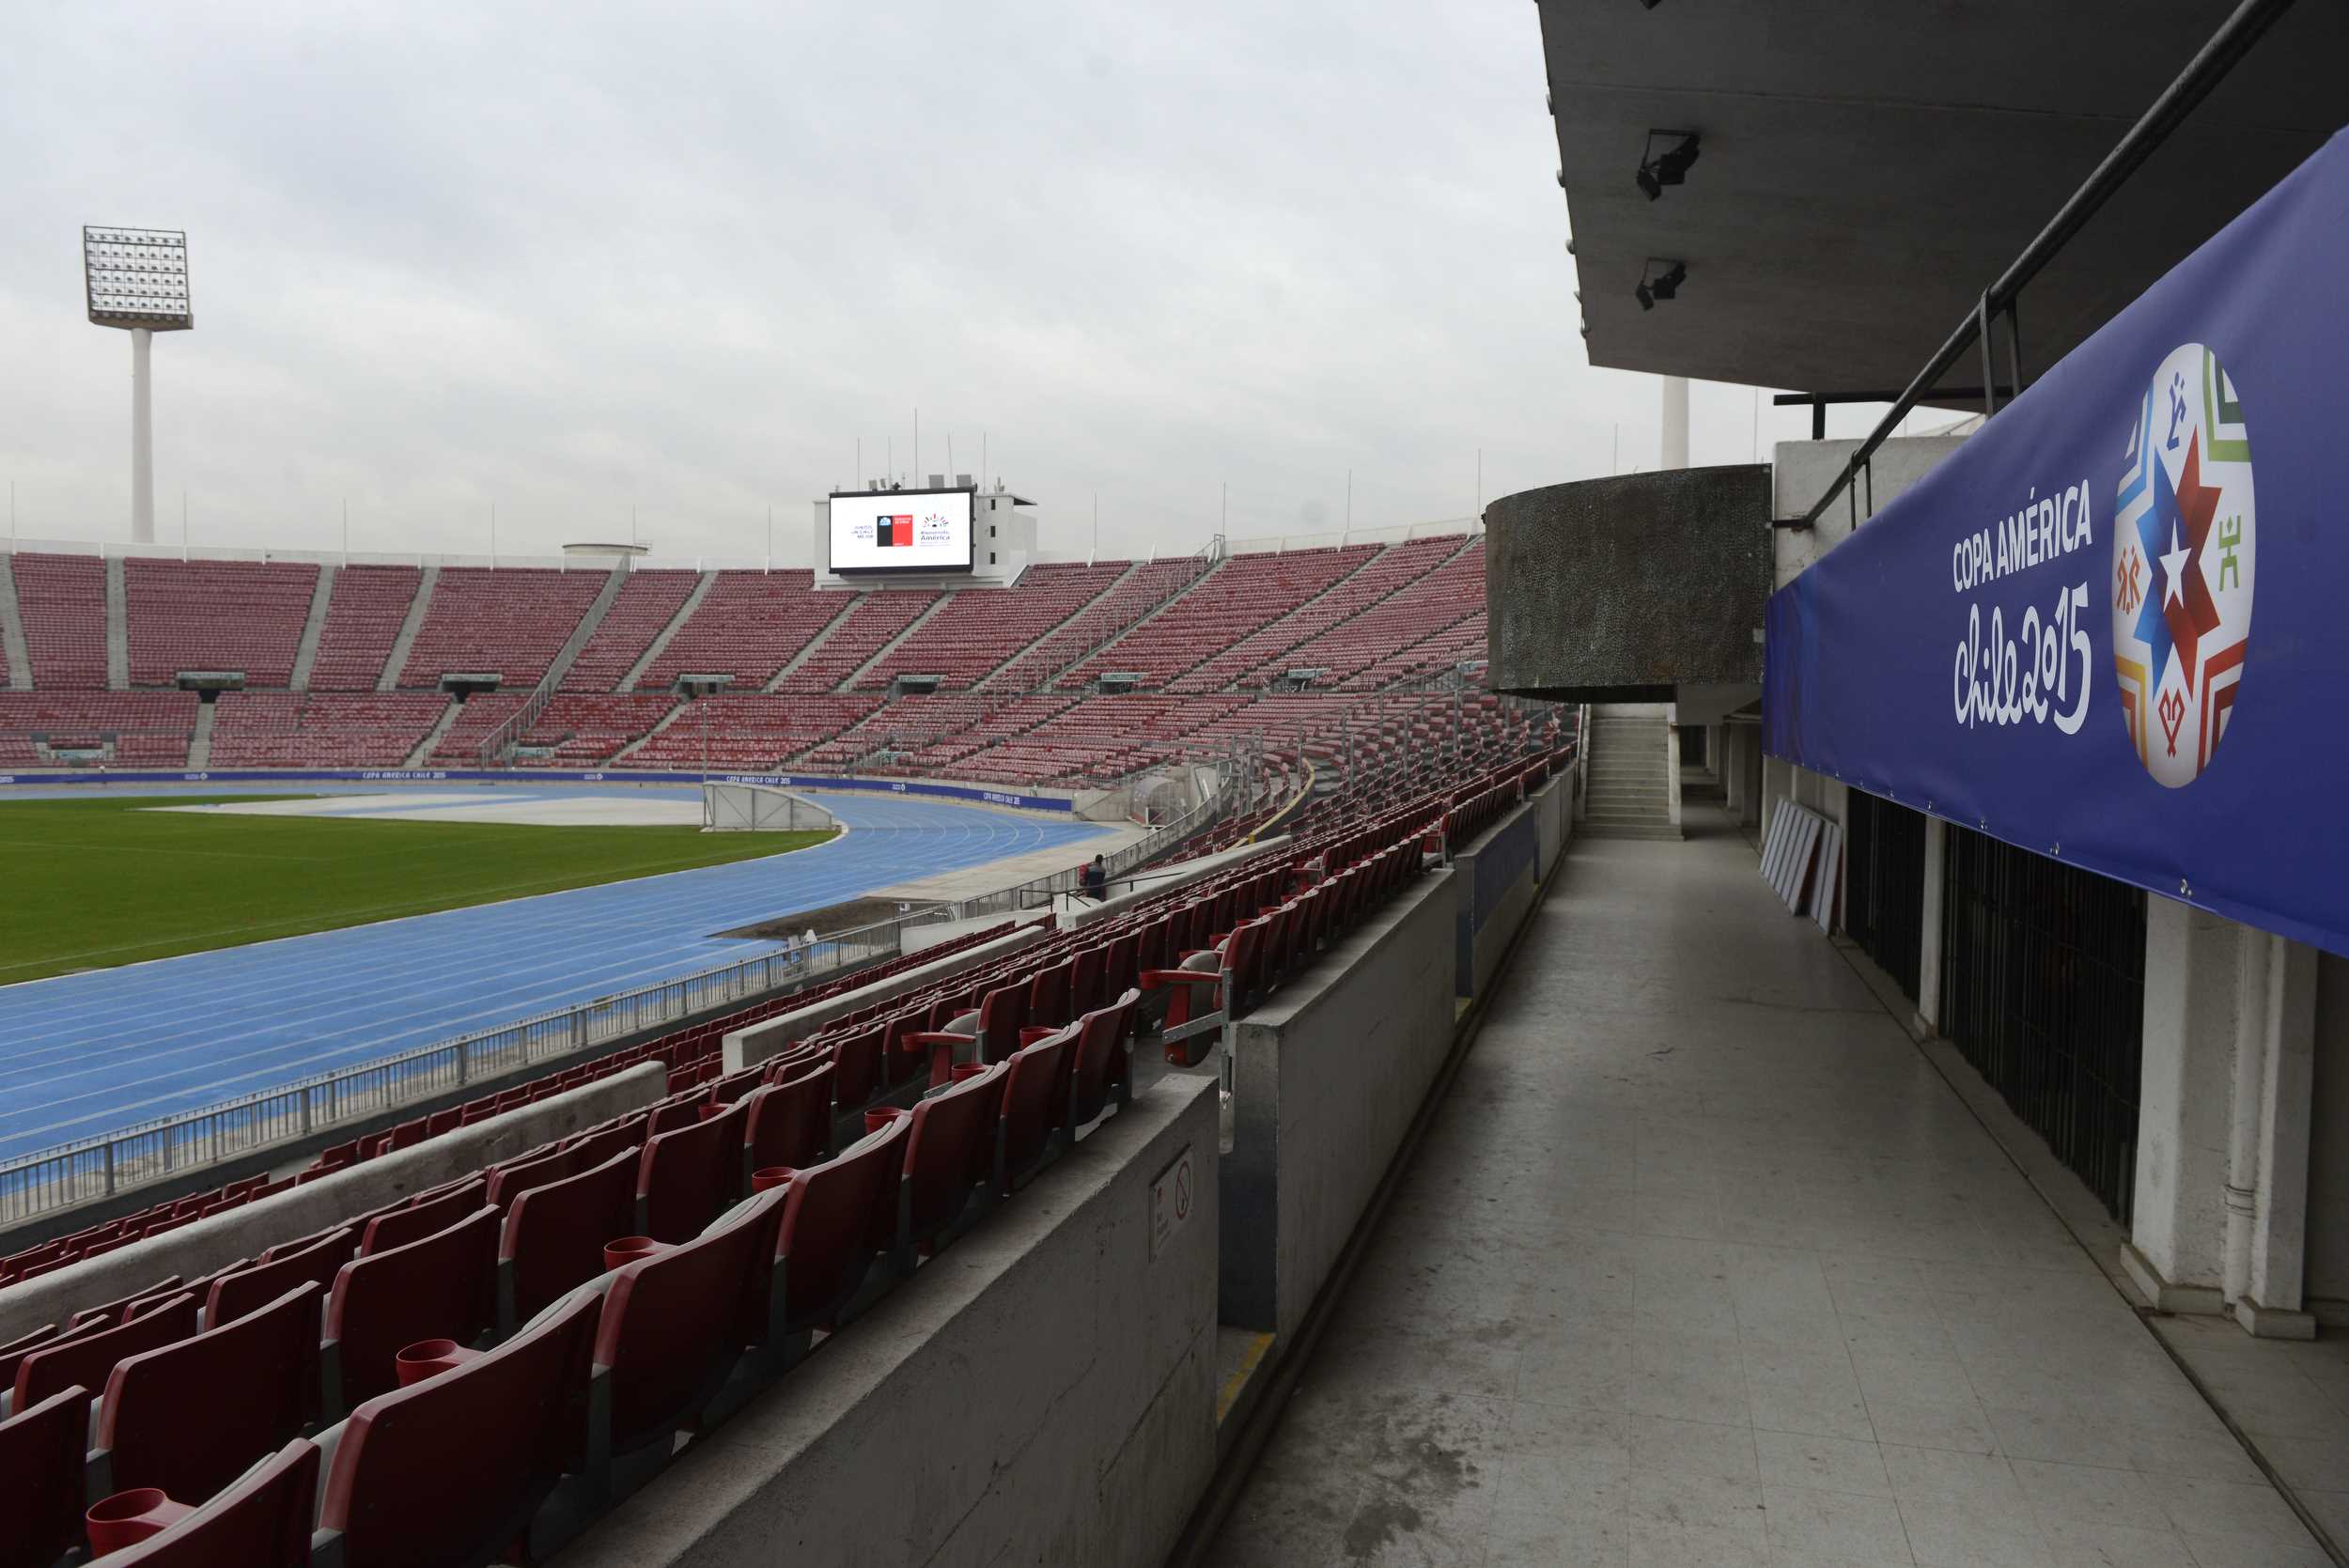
(138, 280)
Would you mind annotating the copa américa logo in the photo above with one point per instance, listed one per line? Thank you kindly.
(2182, 565)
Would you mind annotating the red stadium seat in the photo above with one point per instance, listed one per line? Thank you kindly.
(671, 1330)
(788, 1124)
(1036, 1108)
(188, 1418)
(88, 1358)
(40, 1456)
(446, 1472)
(554, 1236)
(837, 1218)
(317, 1259)
(942, 1168)
(687, 1176)
(261, 1520)
(430, 1213)
(443, 1287)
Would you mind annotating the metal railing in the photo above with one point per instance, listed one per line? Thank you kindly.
(1039, 893)
(129, 1158)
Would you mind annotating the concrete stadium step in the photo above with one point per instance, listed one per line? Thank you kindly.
(1114, 584)
(19, 663)
(847, 682)
(684, 613)
(1606, 830)
(117, 630)
(397, 660)
(1159, 609)
(839, 616)
(306, 654)
(422, 755)
(597, 609)
(200, 742)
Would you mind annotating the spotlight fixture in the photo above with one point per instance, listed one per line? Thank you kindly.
(1668, 167)
(1660, 280)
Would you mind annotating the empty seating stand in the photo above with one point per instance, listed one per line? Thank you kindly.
(187, 1418)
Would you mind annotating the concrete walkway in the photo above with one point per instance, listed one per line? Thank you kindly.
(1704, 1262)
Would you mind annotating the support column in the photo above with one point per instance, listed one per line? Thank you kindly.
(1929, 928)
(142, 439)
(2220, 1217)
(1672, 761)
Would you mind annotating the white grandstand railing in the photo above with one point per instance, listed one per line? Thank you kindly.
(96, 1168)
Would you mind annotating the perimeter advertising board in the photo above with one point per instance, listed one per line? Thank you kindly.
(2053, 636)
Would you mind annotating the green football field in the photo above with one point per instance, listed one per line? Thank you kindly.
(85, 884)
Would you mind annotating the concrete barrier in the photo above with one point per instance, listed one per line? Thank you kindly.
(198, 1249)
(1326, 1077)
(772, 1037)
(1043, 1393)
(1500, 871)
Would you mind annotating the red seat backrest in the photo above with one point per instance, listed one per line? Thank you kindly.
(1085, 982)
(1048, 997)
(510, 1181)
(40, 1454)
(232, 1295)
(856, 1061)
(446, 1472)
(686, 1176)
(88, 1358)
(555, 1234)
(790, 1121)
(1102, 1058)
(1035, 1097)
(672, 1326)
(111, 1312)
(429, 1217)
(261, 1521)
(941, 1165)
(190, 1418)
(440, 1288)
(833, 1227)
(1002, 1016)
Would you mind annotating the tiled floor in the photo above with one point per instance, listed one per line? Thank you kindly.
(1703, 1264)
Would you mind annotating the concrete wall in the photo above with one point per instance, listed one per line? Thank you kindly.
(1326, 1077)
(1801, 472)
(1553, 820)
(1498, 874)
(2329, 1148)
(198, 1249)
(1618, 589)
(1044, 1392)
(772, 1037)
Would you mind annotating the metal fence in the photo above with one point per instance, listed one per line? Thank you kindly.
(1884, 881)
(151, 1152)
(2042, 989)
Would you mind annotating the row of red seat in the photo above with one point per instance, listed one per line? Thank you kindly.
(625, 1282)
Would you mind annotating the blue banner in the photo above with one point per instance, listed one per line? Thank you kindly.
(2051, 637)
(542, 776)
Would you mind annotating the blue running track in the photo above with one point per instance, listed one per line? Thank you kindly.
(90, 1053)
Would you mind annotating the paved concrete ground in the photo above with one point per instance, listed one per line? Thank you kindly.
(1703, 1263)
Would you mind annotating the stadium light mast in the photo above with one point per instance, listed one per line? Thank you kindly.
(137, 279)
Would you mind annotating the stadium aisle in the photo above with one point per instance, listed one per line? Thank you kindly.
(90, 1053)
(1702, 1262)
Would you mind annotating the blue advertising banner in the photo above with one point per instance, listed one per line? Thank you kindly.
(2051, 637)
(94, 778)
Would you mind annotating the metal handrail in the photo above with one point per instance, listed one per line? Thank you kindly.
(2210, 65)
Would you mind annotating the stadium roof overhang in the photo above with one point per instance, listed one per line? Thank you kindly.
(1865, 172)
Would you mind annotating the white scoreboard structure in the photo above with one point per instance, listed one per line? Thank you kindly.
(943, 535)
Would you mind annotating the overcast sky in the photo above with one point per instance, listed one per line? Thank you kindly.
(575, 260)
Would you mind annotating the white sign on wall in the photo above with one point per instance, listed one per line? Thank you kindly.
(1173, 1196)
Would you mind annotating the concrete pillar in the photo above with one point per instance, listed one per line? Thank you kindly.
(2219, 1220)
(1929, 939)
(1672, 760)
(1675, 414)
(1732, 769)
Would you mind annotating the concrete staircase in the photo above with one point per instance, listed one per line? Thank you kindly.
(200, 743)
(775, 681)
(19, 661)
(1114, 584)
(848, 684)
(1051, 682)
(307, 654)
(441, 726)
(117, 628)
(636, 745)
(397, 659)
(1629, 795)
(677, 622)
(565, 655)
